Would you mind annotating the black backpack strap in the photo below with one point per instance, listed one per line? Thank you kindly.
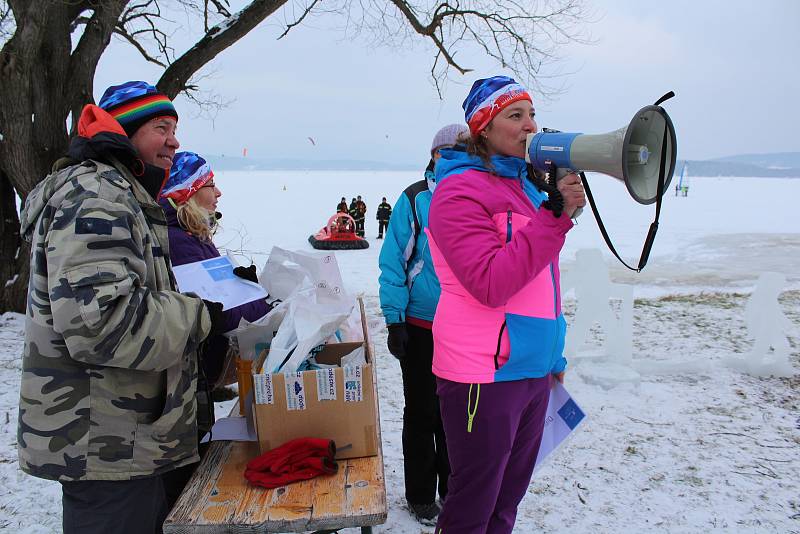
(411, 193)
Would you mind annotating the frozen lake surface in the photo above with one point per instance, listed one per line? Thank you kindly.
(686, 451)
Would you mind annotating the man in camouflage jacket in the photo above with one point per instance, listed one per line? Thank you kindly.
(109, 365)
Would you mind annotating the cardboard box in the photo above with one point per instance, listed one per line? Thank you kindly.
(338, 404)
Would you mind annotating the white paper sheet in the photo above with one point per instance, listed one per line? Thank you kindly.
(563, 417)
(230, 429)
(214, 280)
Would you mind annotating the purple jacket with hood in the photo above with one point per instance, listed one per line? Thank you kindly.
(185, 247)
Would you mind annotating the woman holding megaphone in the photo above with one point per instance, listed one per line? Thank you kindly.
(498, 333)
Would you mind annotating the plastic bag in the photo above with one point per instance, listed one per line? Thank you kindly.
(310, 285)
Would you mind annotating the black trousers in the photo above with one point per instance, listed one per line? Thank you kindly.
(122, 506)
(114, 506)
(425, 462)
(360, 227)
(381, 227)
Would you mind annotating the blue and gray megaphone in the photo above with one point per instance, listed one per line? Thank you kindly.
(631, 154)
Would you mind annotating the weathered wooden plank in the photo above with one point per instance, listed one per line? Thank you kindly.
(328, 503)
(200, 486)
(231, 488)
(218, 498)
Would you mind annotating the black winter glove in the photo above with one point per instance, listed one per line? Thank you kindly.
(217, 318)
(248, 273)
(398, 340)
(554, 202)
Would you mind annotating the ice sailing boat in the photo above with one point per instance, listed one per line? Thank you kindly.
(682, 187)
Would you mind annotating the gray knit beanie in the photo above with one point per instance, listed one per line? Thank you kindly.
(448, 136)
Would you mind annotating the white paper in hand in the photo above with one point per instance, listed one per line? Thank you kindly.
(563, 416)
(214, 280)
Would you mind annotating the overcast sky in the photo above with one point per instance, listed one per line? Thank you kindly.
(732, 64)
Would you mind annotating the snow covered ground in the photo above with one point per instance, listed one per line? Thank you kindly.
(694, 451)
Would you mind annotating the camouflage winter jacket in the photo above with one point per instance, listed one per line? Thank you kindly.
(109, 365)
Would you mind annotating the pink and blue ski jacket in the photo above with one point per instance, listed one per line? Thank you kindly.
(495, 251)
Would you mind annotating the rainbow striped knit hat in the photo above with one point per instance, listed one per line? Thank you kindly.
(134, 103)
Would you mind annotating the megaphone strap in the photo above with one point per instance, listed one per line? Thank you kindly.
(599, 220)
(651, 233)
(664, 98)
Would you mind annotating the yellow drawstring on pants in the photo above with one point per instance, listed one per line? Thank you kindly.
(471, 414)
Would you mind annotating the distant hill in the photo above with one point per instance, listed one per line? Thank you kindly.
(777, 165)
(234, 163)
(778, 160)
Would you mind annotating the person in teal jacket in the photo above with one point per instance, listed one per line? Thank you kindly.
(409, 293)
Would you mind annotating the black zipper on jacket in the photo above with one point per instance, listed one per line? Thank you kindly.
(497, 352)
(508, 226)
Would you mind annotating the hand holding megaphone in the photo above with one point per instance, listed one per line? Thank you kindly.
(571, 189)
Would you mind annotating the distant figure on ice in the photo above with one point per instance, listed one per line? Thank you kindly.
(352, 210)
(409, 293)
(682, 186)
(341, 207)
(495, 239)
(769, 326)
(360, 216)
(384, 212)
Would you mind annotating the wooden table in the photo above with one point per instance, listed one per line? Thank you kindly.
(219, 499)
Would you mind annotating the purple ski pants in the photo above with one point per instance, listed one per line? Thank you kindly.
(493, 433)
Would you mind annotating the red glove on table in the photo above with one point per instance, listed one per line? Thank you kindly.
(299, 459)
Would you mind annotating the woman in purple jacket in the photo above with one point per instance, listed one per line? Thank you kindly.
(498, 333)
(189, 199)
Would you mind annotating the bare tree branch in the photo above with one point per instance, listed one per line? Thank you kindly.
(143, 20)
(131, 38)
(300, 19)
(91, 46)
(429, 31)
(208, 103)
(217, 39)
(221, 7)
(520, 36)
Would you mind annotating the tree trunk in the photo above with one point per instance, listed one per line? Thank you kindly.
(33, 123)
(14, 252)
(42, 79)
